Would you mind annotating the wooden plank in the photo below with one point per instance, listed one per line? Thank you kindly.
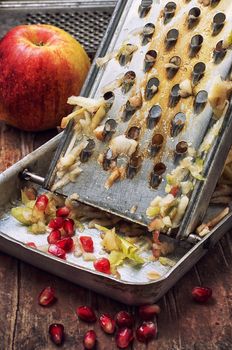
(10, 146)
(9, 300)
(34, 320)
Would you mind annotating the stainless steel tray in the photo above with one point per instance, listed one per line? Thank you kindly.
(132, 289)
(91, 188)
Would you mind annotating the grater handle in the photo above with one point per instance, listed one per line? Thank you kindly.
(28, 176)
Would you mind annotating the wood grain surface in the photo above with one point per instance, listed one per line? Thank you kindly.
(182, 324)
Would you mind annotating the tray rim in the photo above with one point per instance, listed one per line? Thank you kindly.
(204, 243)
(15, 169)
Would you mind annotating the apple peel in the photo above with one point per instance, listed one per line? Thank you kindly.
(49, 65)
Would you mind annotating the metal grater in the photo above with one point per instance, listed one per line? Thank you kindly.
(130, 198)
(72, 16)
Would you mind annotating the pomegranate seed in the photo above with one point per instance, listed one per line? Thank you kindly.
(124, 319)
(124, 337)
(68, 227)
(102, 265)
(41, 202)
(87, 244)
(56, 223)
(56, 331)
(66, 244)
(57, 251)
(146, 332)
(47, 296)
(155, 235)
(107, 323)
(54, 236)
(31, 244)
(148, 312)
(174, 191)
(201, 294)
(89, 340)
(63, 212)
(86, 313)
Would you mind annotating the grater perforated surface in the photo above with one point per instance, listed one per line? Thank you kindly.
(127, 194)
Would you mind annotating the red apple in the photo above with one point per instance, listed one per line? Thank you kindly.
(41, 66)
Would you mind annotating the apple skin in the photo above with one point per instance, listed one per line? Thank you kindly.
(41, 66)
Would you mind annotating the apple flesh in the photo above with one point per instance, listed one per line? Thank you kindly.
(41, 66)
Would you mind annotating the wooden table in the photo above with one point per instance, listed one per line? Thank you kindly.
(183, 324)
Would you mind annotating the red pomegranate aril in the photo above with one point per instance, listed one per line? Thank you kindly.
(47, 296)
(124, 319)
(41, 202)
(31, 244)
(56, 331)
(102, 265)
(57, 251)
(124, 337)
(107, 323)
(86, 313)
(146, 332)
(54, 236)
(68, 227)
(87, 244)
(202, 294)
(63, 212)
(148, 312)
(89, 340)
(174, 190)
(56, 223)
(66, 244)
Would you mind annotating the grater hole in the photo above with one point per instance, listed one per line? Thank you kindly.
(219, 52)
(149, 60)
(200, 101)
(193, 17)
(198, 72)
(156, 175)
(181, 148)
(133, 166)
(151, 88)
(154, 116)
(156, 144)
(174, 97)
(169, 11)
(177, 124)
(195, 45)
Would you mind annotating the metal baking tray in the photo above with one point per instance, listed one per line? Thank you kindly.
(91, 188)
(133, 288)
